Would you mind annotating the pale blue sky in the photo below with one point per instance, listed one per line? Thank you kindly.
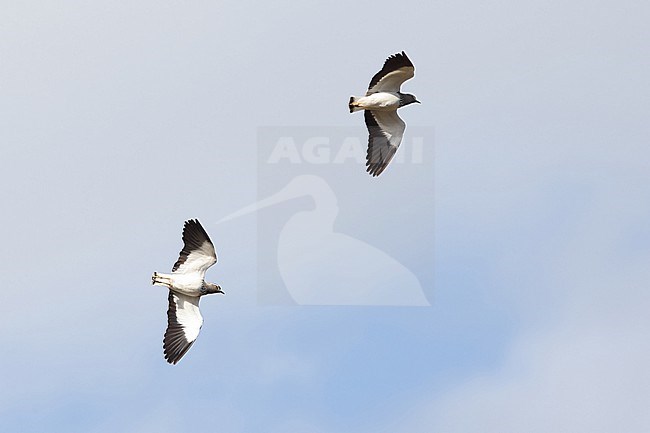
(542, 217)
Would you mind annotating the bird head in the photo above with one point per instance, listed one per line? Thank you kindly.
(213, 288)
(406, 99)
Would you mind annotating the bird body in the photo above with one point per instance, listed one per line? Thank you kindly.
(186, 285)
(383, 101)
(189, 285)
(383, 98)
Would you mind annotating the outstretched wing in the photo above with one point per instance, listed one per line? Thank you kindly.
(198, 252)
(184, 322)
(397, 69)
(385, 131)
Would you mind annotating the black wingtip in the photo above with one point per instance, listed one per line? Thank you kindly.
(375, 169)
(193, 228)
(398, 60)
(191, 222)
(392, 63)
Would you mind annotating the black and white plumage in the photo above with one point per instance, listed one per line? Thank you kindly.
(186, 285)
(383, 98)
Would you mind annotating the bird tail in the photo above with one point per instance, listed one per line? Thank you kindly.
(352, 105)
(156, 280)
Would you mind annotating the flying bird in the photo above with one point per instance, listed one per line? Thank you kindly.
(186, 286)
(380, 103)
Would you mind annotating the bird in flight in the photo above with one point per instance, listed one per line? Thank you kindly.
(380, 103)
(186, 286)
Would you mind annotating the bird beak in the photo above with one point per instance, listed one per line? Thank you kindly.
(418, 101)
